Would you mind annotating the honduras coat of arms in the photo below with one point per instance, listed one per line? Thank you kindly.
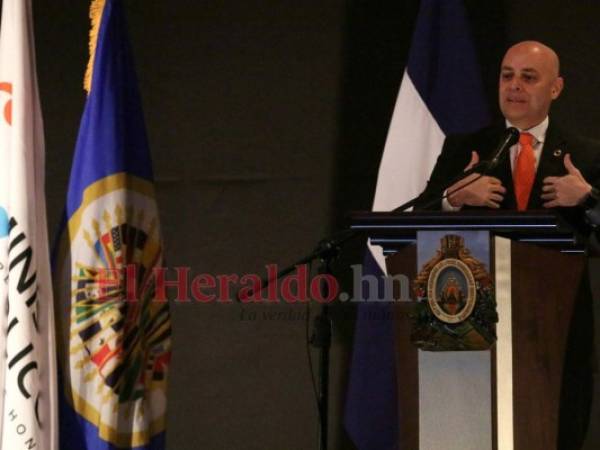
(456, 308)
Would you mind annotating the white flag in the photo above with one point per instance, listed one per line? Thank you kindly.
(27, 343)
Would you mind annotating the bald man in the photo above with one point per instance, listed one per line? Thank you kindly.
(566, 167)
(564, 174)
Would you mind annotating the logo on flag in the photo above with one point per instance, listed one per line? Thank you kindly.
(7, 87)
(3, 223)
(114, 229)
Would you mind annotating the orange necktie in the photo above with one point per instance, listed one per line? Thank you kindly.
(524, 171)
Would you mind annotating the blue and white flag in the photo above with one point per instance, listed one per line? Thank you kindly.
(28, 379)
(441, 94)
(115, 332)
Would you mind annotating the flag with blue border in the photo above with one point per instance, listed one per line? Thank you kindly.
(115, 334)
(441, 93)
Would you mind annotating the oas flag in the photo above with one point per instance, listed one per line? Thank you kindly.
(115, 335)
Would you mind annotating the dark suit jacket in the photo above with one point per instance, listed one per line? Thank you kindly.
(576, 394)
(456, 154)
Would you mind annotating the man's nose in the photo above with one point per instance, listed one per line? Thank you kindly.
(515, 84)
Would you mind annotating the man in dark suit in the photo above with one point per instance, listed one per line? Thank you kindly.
(548, 168)
(563, 167)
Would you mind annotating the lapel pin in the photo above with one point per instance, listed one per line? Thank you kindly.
(557, 152)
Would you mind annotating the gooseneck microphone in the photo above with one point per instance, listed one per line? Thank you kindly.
(510, 138)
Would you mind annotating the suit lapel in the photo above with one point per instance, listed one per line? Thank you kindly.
(551, 164)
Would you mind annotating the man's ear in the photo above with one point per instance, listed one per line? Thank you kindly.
(557, 87)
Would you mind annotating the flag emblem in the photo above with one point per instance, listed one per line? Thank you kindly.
(119, 341)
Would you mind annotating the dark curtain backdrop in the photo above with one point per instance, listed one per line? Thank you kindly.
(266, 121)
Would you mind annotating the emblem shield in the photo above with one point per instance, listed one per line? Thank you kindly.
(456, 308)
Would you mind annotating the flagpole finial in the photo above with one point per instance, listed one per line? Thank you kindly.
(96, 8)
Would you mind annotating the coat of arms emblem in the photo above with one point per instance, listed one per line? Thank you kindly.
(456, 308)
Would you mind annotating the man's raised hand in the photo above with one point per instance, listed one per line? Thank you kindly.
(485, 191)
(568, 190)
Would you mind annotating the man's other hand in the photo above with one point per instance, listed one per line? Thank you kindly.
(486, 191)
(568, 190)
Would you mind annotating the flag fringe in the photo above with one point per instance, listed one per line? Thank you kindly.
(96, 8)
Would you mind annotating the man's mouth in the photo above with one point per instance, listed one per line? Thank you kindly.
(516, 100)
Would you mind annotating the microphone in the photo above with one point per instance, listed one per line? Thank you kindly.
(510, 138)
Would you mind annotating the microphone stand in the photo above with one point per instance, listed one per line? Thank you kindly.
(321, 339)
(327, 251)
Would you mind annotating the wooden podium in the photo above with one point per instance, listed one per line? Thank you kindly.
(537, 268)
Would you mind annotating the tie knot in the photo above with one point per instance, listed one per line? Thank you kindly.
(525, 139)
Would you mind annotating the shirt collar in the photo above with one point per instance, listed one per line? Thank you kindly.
(538, 132)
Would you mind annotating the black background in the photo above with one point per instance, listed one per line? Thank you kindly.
(266, 121)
